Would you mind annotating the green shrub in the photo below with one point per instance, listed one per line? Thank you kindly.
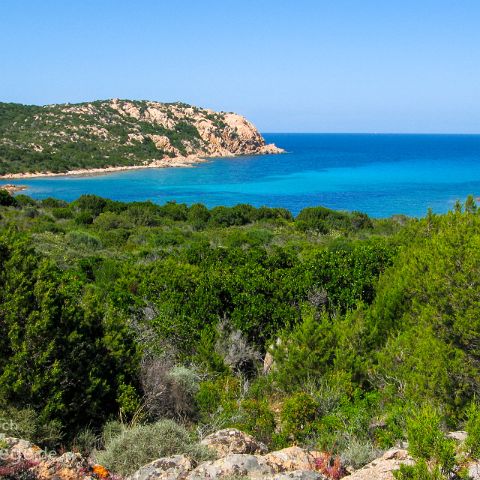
(323, 220)
(112, 429)
(257, 419)
(419, 471)
(298, 416)
(51, 202)
(26, 424)
(428, 444)
(198, 216)
(128, 400)
(392, 426)
(25, 200)
(110, 220)
(304, 352)
(90, 203)
(62, 212)
(6, 200)
(358, 453)
(85, 442)
(84, 218)
(217, 402)
(472, 426)
(137, 446)
(83, 240)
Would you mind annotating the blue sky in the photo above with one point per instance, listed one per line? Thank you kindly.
(288, 65)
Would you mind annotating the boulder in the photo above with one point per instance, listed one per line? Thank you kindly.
(382, 468)
(290, 459)
(298, 475)
(245, 465)
(23, 449)
(240, 455)
(459, 436)
(474, 471)
(175, 467)
(22, 457)
(232, 440)
(292, 462)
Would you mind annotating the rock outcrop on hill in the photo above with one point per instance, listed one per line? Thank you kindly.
(119, 133)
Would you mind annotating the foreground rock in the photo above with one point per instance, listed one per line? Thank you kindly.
(232, 440)
(474, 471)
(22, 459)
(240, 456)
(382, 468)
(292, 462)
(251, 466)
(292, 458)
(168, 468)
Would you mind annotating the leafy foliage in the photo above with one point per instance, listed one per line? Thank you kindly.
(360, 321)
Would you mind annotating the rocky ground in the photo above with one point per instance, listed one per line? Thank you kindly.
(10, 188)
(240, 457)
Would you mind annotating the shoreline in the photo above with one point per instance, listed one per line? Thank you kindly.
(167, 162)
(175, 162)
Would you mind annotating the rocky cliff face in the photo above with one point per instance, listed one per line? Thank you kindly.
(220, 134)
(110, 133)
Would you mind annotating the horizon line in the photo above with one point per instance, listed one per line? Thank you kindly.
(371, 133)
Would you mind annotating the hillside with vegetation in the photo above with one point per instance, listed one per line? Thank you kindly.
(118, 133)
(331, 331)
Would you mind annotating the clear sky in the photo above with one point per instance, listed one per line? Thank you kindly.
(288, 65)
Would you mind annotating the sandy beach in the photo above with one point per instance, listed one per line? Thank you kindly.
(163, 163)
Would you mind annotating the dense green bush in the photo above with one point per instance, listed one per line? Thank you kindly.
(298, 416)
(25, 424)
(323, 220)
(305, 352)
(60, 348)
(6, 200)
(425, 317)
(257, 419)
(362, 323)
(217, 402)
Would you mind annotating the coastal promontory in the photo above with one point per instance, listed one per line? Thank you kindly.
(118, 134)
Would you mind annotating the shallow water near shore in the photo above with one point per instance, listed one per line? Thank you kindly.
(381, 175)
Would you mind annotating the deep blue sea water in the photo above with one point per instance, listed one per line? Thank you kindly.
(381, 175)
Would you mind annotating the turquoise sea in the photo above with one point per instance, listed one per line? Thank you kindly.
(381, 175)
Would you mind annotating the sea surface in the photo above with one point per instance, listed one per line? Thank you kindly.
(381, 175)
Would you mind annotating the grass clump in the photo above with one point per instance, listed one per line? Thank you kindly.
(358, 453)
(137, 446)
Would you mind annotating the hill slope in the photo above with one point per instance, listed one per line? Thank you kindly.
(119, 133)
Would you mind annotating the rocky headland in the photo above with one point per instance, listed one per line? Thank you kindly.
(111, 135)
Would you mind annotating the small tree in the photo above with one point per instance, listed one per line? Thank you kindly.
(433, 452)
(472, 427)
(305, 352)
